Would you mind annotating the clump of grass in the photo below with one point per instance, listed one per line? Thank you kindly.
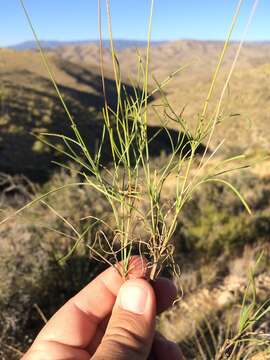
(132, 186)
(218, 341)
(247, 340)
(236, 327)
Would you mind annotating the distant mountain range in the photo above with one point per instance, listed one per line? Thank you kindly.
(119, 44)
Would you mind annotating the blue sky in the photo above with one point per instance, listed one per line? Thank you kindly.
(173, 19)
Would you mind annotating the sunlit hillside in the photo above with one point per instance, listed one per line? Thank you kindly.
(247, 96)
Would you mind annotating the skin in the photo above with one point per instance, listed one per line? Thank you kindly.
(110, 319)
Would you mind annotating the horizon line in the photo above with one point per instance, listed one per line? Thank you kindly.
(131, 40)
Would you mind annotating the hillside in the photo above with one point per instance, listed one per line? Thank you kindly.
(29, 103)
(248, 93)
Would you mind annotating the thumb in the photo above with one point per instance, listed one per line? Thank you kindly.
(130, 331)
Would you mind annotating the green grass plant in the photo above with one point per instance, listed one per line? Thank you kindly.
(247, 340)
(134, 187)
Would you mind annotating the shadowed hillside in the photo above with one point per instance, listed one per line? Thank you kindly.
(30, 106)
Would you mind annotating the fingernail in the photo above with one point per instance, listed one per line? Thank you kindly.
(133, 298)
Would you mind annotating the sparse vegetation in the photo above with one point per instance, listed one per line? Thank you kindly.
(213, 283)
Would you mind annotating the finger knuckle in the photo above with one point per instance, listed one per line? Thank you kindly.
(124, 336)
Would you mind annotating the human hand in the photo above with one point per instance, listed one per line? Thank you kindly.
(109, 319)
